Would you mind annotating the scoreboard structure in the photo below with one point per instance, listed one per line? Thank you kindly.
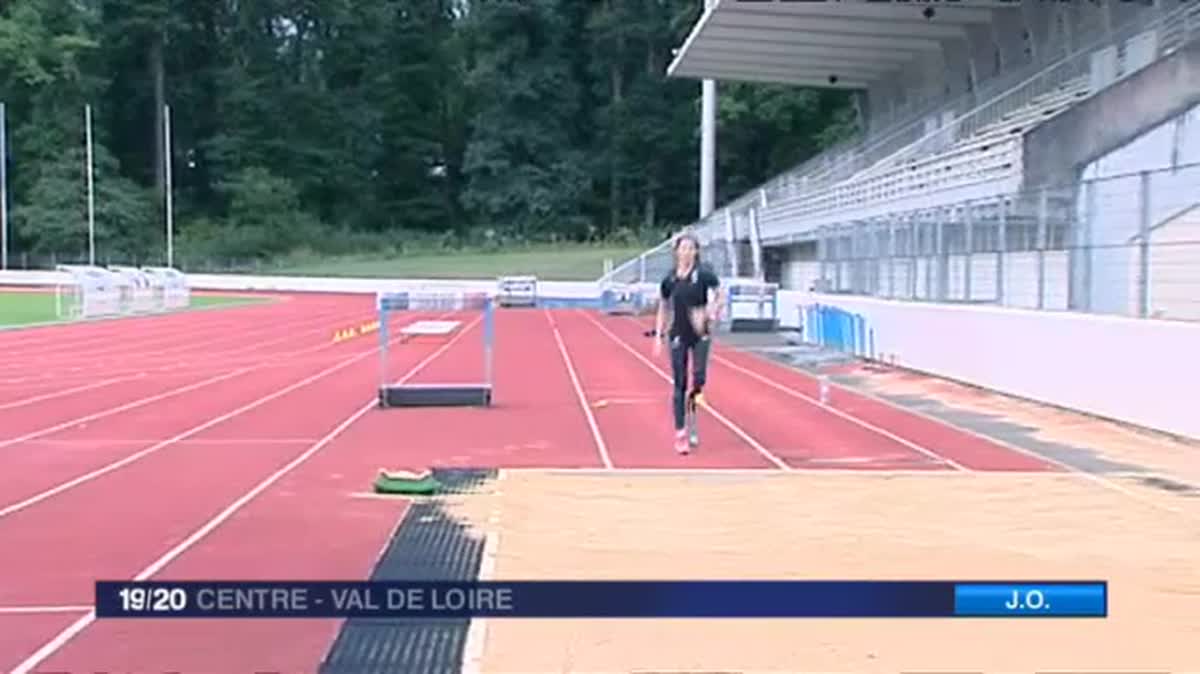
(517, 291)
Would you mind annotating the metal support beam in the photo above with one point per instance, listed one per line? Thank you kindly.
(969, 248)
(891, 256)
(1043, 198)
(1001, 250)
(708, 147)
(1143, 258)
(731, 243)
(3, 188)
(756, 250)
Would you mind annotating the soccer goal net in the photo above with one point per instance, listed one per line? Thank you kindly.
(137, 291)
(87, 292)
(435, 348)
(171, 287)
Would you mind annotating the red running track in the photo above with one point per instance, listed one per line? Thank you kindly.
(256, 474)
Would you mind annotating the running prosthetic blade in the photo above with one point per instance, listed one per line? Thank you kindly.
(695, 398)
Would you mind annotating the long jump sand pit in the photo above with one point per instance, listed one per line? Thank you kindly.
(552, 525)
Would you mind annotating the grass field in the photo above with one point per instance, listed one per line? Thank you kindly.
(19, 308)
(562, 263)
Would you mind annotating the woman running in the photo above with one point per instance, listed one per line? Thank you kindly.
(691, 293)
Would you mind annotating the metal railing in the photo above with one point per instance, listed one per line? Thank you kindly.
(1124, 244)
(909, 139)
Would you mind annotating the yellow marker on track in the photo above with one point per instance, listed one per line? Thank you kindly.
(351, 333)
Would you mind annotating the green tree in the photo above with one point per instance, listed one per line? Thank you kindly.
(370, 120)
(522, 168)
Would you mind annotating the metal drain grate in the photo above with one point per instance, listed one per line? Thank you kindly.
(429, 544)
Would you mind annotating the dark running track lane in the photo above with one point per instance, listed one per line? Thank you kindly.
(636, 423)
(156, 345)
(967, 449)
(101, 335)
(22, 634)
(137, 357)
(165, 492)
(113, 525)
(33, 465)
(802, 433)
(310, 524)
(535, 420)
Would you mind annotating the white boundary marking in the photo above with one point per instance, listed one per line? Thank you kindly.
(746, 437)
(1066, 468)
(100, 442)
(141, 402)
(42, 610)
(136, 456)
(69, 391)
(840, 414)
(597, 437)
(476, 642)
(767, 472)
(51, 647)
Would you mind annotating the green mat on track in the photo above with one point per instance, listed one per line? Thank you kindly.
(421, 484)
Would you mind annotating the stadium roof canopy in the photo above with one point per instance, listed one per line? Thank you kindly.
(848, 45)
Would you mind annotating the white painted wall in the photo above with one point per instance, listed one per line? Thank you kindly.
(1174, 284)
(1142, 372)
(1114, 213)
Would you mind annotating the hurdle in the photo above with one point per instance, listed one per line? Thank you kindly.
(86, 292)
(472, 369)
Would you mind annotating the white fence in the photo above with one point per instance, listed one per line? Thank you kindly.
(368, 286)
(1135, 371)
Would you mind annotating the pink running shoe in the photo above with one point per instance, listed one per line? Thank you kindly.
(681, 442)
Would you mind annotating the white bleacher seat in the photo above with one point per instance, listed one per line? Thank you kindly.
(991, 156)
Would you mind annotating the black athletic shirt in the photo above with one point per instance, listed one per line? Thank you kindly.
(685, 294)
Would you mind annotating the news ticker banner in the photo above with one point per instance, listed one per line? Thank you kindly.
(602, 599)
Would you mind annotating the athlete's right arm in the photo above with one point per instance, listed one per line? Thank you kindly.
(660, 320)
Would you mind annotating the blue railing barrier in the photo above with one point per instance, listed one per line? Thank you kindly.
(838, 329)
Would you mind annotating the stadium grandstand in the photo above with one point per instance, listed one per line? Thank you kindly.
(1025, 154)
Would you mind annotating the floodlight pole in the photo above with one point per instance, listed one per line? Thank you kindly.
(91, 193)
(3, 189)
(708, 140)
(170, 204)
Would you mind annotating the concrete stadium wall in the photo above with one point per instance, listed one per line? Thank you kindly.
(913, 279)
(1113, 212)
(1058, 151)
(1142, 372)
